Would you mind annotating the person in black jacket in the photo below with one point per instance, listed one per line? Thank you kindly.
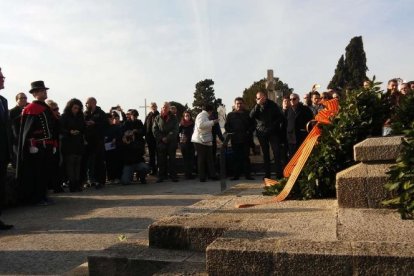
(37, 148)
(96, 122)
(241, 126)
(298, 116)
(5, 149)
(15, 117)
(185, 130)
(165, 130)
(72, 130)
(150, 139)
(268, 117)
(113, 140)
(133, 158)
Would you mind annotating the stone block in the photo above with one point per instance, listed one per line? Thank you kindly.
(381, 258)
(118, 266)
(168, 236)
(378, 149)
(303, 257)
(239, 257)
(362, 186)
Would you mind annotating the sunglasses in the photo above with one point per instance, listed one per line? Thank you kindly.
(293, 99)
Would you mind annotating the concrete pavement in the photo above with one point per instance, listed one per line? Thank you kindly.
(54, 239)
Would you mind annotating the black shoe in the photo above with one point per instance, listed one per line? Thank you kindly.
(159, 180)
(143, 181)
(234, 178)
(214, 178)
(249, 178)
(4, 226)
(202, 180)
(190, 177)
(174, 179)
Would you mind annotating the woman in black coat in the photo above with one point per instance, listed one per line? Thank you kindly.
(72, 126)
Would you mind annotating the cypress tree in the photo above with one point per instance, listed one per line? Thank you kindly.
(338, 81)
(355, 63)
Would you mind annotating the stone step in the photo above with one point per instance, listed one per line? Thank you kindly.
(136, 258)
(378, 149)
(273, 256)
(362, 186)
(292, 237)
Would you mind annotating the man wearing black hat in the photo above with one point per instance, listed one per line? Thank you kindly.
(38, 142)
(4, 148)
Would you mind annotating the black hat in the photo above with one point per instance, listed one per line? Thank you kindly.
(38, 85)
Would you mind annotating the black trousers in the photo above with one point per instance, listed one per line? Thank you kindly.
(267, 142)
(241, 160)
(3, 174)
(73, 170)
(205, 161)
(114, 164)
(38, 172)
(187, 150)
(95, 162)
(166, 160)
(152, 152)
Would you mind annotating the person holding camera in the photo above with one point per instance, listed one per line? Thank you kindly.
(133, 158)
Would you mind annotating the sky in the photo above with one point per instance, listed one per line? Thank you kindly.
(123, 52)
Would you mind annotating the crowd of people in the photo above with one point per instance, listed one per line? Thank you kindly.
(90, 147)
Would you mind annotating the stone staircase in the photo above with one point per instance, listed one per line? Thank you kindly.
(347, 236)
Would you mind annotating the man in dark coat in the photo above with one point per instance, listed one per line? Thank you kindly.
(5, 148)
(15, 118)
(150, 139)
(37, 146)
(241, 126)
(268, 117)
(298, 116)
(96, 122)
(165, 130)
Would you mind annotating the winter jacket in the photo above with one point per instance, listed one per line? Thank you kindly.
(165, 128)
(203, 129)
(240, 125)
(268, 117)
(71, 143)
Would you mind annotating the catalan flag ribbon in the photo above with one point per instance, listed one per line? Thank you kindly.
(298, 161)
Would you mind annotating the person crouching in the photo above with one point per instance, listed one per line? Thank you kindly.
(133, 158)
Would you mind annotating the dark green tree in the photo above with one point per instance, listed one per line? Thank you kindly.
(355, 63)
(203, 95)
(249, 94)
(338, 81)
(350, 72)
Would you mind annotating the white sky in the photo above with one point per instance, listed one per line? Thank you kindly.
(124, 51)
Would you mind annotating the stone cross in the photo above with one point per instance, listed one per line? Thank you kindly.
(274, 95)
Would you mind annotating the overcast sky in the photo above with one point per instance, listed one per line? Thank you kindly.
(123, 51)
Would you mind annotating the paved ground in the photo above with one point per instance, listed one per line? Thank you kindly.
(54, 239)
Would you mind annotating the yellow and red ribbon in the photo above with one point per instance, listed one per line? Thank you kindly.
(298, 161)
